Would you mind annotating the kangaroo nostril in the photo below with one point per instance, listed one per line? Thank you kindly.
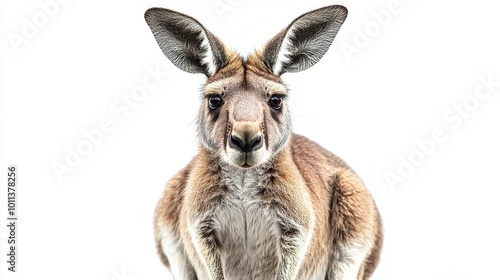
(245, 146)
(256, 144)
(237, 143)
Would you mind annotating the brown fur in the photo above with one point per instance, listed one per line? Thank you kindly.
(301, 210)
(350, 213)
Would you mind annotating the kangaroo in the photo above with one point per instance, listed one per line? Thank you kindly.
(259, 201)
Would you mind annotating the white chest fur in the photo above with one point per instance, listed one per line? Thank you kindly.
(247, 228)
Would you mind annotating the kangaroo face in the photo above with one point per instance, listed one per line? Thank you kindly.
(244, 118)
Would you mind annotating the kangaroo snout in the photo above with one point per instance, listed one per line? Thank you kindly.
(246, 137)
(245, 145)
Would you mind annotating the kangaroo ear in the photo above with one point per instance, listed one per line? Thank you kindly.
(185, 42)
(304, 42)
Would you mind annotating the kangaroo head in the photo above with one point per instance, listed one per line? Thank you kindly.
(244, 119)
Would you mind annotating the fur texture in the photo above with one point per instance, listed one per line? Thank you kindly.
(258, 201)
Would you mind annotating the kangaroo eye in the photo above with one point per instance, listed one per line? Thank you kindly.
(214, 102)
(276, 102)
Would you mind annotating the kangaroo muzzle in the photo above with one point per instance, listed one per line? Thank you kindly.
(246, 137)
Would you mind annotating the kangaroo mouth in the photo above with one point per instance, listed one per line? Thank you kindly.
(247, 160)
(246, 165)
(244, 160)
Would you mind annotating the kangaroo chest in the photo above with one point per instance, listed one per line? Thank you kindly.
(247, 228)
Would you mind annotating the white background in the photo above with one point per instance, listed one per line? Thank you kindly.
(369, 107)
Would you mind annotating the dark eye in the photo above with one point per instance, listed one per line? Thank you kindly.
(276, 102)
(214, 102)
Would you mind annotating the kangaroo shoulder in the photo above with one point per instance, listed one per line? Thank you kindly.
(307, 153)
(169, 207)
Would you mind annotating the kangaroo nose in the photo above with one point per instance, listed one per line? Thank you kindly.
(247, 145)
